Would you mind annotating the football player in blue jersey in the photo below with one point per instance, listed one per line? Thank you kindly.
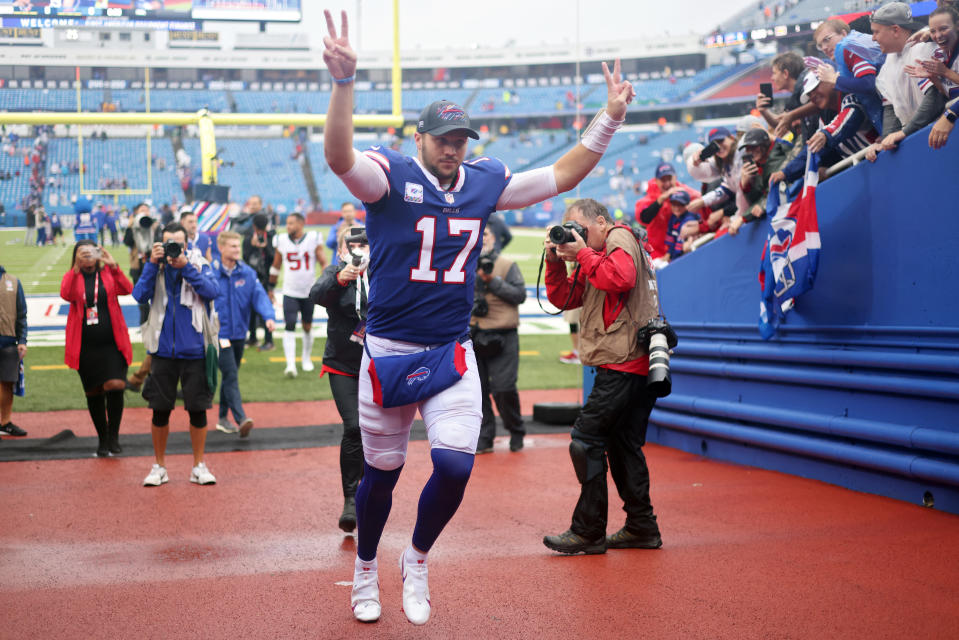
(425, 222)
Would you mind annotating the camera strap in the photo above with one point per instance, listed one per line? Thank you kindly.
(539, 275)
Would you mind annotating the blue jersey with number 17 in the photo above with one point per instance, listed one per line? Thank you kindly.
(424, 245)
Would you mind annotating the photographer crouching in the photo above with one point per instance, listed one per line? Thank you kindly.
(500, 289)
(616, 289)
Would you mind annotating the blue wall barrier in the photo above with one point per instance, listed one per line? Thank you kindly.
(860, 387)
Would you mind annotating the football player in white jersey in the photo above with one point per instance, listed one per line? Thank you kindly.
(299, 252)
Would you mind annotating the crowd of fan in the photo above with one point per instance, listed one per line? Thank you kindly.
(864, 96)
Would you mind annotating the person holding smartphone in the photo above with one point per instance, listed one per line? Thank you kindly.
(98, 343)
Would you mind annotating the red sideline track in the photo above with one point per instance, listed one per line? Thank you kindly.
(87, 552)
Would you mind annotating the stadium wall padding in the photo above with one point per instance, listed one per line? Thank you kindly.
(860, 386)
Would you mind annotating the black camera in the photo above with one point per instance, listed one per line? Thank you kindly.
(563, 233)
(486, 261)
(709, 150)
(659, 338)
(145, 221)
(480, 307)
(172, 250)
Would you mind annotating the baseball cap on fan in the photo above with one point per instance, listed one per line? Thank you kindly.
(444, 116)
(809, 84)
(665, 169)
(895, 14)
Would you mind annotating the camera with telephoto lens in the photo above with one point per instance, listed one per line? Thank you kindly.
(480, 307)
(172, 250)
(145, 221)
(563, 233)
(486, 261)
(659, 338)
(709, 150)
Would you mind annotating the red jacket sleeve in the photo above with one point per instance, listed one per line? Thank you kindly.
(124, 286)
(613, 273)
(559, 283)
(68, 287)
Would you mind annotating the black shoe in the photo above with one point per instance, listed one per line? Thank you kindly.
(115, 448)
(267, 346)
(624, 539)
(103, 452)
(12, 430)
(348, 517)
(516, 441)
(484, 448)
(252, 342)
(569, 542)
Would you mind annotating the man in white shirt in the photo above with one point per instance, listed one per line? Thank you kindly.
(908, 103)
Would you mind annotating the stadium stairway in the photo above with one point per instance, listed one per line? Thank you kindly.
(860, 386)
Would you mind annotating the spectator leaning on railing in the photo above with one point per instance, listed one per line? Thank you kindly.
(728, 165)
(909, 103)
(653, 210)
(943, 70)
(763, 157)
(857, 59)
(788, 72)
(848, 133)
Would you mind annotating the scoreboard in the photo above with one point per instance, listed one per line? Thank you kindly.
(161, 14)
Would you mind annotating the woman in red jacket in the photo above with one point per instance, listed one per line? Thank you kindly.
(97, 344)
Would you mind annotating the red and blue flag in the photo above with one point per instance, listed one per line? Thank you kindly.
(791, 255)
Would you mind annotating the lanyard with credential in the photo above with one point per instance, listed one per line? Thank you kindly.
(362, 287)
(96, 290)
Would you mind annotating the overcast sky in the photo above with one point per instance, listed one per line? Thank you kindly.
(425, 24)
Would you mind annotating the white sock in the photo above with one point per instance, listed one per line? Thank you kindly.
(307, 345)
(289, 349)
(414, 557)
(361, 564)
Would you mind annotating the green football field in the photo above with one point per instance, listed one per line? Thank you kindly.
(50, 386)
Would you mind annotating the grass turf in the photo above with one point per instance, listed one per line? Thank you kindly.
(52, 387)
(41, 268)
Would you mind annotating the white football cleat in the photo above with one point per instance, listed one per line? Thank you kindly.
(365, 598)
(416, 590)
(290, 372)
(307, 364)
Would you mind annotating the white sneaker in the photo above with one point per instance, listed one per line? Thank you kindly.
(225, 426)
(156, 477)
(202, 475)
(416, 591)
(307, 364)
(365, 598)
(290, 372)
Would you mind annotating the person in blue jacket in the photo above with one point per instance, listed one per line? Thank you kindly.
(179, 285)
(239, 292)
(347, 219)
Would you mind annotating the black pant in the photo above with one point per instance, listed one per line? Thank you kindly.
(256, 320)
(346, 395)
(498, 370)
(615, 417)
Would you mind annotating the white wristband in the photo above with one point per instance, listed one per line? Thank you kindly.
(274, 271)
(599, 132)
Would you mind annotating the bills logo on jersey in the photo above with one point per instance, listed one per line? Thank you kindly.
(414, 193)
(239, 283)
(420, 375)
(449, 197)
